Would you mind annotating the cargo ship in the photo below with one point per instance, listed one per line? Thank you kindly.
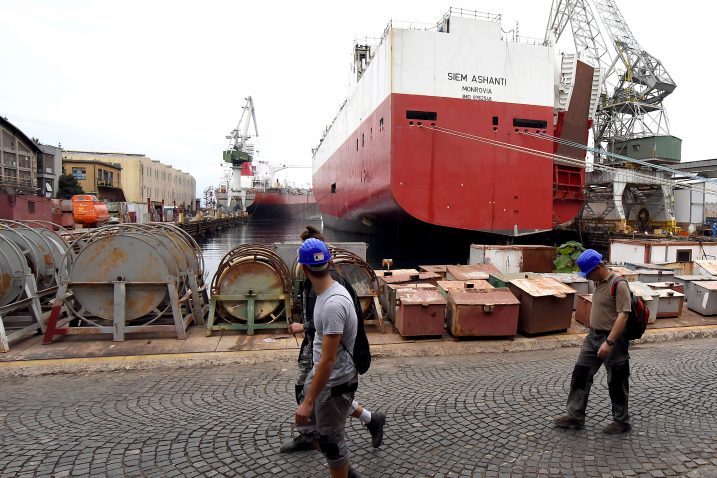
(265, 198)
(282, 203)
(441, 128)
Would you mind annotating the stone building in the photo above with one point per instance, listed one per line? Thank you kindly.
(18, 160)
(143, 178)
(95, 177)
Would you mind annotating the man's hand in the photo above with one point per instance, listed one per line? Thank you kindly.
(303, 413)
(296, 327)
(604, 350)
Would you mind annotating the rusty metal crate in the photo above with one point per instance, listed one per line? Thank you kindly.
(470, 272)
(671, 303)
(687, 278)
(583, 309)
(384, 292)
(546, 305)
(702, 297)
(628, 274)
(705, 267)
(445, 285)
(501, 279)
(392, 301)
(514, 258)
(676, 286)
(572, 280)
(421, 312)
(440, 270)
(655, 275)
(395, 272)
(482, 313)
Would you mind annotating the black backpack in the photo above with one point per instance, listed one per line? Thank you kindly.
(638, 316)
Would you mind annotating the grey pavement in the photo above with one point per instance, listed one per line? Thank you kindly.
(472, 415)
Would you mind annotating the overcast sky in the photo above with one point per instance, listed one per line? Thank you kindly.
(168, 78)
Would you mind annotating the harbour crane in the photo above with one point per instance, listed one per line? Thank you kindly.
(239, 154)
(630, 119)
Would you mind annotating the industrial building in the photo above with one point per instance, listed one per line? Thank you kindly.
(95, 177)
(49, 170)
(143, 178)
(18, 168)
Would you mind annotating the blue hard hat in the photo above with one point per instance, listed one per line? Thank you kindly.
(588, 261)
(314, 254)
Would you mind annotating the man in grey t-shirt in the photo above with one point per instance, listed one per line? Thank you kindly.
(333, 380)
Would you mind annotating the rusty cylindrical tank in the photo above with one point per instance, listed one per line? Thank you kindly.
(41, 246)
(355, 270)
(251, 270)
(134, 254)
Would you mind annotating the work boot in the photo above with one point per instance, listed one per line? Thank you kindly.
(353, 473)
(375, 427)
(566, 421)
(299, 443)
(615, 428)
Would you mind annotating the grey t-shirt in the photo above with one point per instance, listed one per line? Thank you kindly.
(334, 314)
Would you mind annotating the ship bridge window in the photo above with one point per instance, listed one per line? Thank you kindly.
(495, 121)
(333, 188)
(422, 115)
(530, 123)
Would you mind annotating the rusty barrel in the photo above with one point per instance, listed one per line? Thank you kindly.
(251, 271)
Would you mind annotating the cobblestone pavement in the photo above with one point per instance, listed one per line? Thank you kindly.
(481, 415)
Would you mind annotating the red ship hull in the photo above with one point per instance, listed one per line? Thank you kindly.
(282, 204)
(404, 169)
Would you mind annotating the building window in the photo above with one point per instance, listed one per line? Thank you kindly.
(684, 255)
(8, 140)
(48, 163)
(79, 173)
(9, 159)
(24, 161)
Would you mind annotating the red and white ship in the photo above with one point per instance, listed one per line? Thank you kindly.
(416, 139)
(265, 198)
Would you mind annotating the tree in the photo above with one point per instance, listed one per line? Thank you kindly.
(68, 186)
(567, 257)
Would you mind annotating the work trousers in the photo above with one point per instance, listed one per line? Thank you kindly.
(617, 365)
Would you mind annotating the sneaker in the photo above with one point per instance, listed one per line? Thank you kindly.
(566, 421)
(353, 473)
(375, 427)
(615, 428)
(299, 443)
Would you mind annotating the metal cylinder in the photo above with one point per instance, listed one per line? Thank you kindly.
(251, 270)
(42, 247)
(355, 270)
(147, 257)
(13, 267)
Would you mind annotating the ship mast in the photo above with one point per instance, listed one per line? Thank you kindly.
(240, 152)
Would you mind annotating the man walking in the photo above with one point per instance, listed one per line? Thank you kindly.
(605, 344)
(373, 421)
(333, 380)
